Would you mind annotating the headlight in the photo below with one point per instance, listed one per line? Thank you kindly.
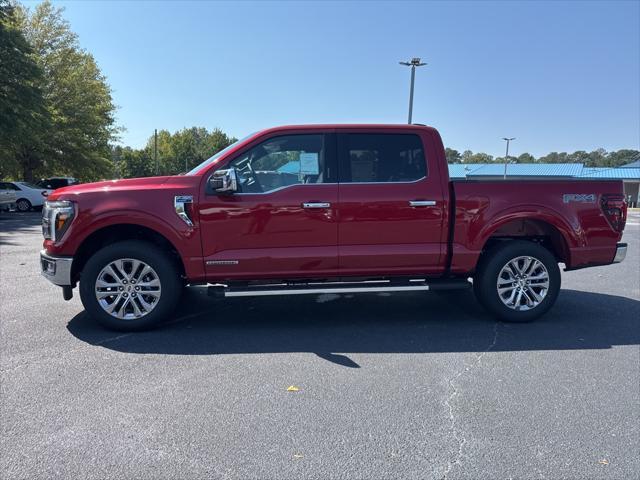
(56, 218)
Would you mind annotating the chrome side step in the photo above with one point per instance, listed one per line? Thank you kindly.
(317, 288)
(316, 291)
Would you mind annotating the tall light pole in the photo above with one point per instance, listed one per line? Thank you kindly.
(506, 155)
(415, 62)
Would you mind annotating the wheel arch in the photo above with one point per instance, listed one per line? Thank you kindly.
(119, 232)
(546, 228)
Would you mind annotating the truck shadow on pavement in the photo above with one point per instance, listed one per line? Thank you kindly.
(15, 224)
(333, 326)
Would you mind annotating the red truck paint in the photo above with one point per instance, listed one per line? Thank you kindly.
(353, 237)
(369, 230)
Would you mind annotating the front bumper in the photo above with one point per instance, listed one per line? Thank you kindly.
(621, 252)
(56, 269)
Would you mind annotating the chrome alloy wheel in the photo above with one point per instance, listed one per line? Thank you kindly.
(523, 283)
(23, 205)
(128, 289)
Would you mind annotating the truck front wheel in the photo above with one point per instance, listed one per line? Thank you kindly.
(517, 281)
(130, 285)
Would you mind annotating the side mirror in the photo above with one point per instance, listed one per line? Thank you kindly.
(224, 181)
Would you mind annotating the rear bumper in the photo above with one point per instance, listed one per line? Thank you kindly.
(56, 269)
(621, 252)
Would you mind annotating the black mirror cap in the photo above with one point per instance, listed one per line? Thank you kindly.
(215, 183)
(222, 182)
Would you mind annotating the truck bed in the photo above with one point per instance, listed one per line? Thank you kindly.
(568, 211)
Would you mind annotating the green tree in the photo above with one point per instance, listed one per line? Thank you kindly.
(555, 157)
(453, 156)
(525, 158)
(138, 163)
(23, 116)
(469, 157)
(186, 148)
(77, 98)
(597, 158)
(622, 157)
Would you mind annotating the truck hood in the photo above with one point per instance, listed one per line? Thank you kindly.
(127, 184)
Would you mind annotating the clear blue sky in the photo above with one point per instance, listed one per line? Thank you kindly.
(558, 76)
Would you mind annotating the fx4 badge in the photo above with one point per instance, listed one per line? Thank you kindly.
(579, 197)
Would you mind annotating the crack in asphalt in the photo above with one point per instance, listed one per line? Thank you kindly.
(455, 431)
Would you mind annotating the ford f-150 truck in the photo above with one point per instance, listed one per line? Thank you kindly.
(325, 208)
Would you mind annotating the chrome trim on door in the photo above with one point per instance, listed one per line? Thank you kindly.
(399, 182)
(422, 203)
(316, 205)
(222, 262)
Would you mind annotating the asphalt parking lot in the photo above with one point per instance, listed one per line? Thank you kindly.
(389, 386)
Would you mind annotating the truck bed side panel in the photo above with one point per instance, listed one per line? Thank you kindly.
(571, 207)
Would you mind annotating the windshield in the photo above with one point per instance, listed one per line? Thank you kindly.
(209, 161)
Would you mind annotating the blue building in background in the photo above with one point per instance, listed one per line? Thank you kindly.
(629, 174)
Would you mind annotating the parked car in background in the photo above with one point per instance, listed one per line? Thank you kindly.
(7, 196)
(57, 182)
(27, 194)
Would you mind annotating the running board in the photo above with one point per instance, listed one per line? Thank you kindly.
(317, 288)
(316, 291)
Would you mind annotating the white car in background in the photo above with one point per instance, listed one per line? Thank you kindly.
(27, 195)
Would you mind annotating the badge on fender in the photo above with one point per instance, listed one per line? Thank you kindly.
(579, 197)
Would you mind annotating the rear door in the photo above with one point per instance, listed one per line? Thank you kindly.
(391, 207)
(282, 221)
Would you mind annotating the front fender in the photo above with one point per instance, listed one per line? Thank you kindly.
(153, 210)
(178, 238)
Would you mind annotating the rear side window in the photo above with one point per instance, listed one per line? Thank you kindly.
(381, 158)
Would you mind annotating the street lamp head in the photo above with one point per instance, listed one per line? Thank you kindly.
(415, 62)
(508, 139)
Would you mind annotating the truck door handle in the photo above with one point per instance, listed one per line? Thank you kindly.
(316, 205)
(422, 203)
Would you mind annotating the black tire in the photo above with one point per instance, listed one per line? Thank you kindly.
(23, 205)
(158, 259)
(490, 267)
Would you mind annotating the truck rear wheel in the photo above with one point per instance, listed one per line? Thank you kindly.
(130, 285)
(517, 281)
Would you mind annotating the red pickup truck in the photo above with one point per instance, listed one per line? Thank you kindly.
(325, 208)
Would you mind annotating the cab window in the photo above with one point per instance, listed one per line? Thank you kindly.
(381, 158)
(282, 161)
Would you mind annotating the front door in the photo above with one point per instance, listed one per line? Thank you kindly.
(282, 222)
(391, 206)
